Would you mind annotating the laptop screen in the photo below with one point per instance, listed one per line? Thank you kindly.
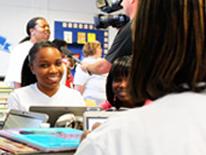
(90, 121)
(22, 119)
(92, 117)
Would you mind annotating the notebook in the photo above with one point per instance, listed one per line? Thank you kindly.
(23, 119)
(46, 139)
(54, 112)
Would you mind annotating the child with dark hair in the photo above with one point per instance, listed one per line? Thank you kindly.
(116, 84)
(41, 75)
(59, 43)
(68, 62)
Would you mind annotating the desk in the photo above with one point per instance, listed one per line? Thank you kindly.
(57, 153)
(49, 153)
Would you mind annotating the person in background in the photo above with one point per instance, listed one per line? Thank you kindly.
(41, 75)
(37, 30)
(71, 64)
(92, 87)
(121, 46)
(116, 89)
(68, 63)
(168, 67)
(117, 83)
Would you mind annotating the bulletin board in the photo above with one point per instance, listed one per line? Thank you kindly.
(76, 34)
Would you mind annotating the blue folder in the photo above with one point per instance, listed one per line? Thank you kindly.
(46, 139)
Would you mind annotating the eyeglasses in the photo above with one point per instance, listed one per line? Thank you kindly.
(43, 26)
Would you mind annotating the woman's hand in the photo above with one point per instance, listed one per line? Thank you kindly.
(85, 133)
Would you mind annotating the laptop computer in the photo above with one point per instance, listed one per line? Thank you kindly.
(23, 119)
(54, 112)
(92, 117)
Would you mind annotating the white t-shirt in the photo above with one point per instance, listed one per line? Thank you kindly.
(16, 61)
(94, 84)
(172, 125)
(23, 98)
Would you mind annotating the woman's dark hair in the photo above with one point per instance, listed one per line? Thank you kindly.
(168, 55)
(59, 43)
(27, 77)
(120, 70)
(31, 24)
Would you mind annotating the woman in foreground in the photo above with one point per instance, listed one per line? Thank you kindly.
(168, 68)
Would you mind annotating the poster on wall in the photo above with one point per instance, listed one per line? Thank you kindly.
(91, 37)
(76, 34)
(68, 37)
(81, 37)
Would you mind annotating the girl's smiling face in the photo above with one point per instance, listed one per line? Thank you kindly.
(119, 86)
(48, 69)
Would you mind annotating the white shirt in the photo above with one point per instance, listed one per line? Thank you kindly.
(172, 125)
(23, 98)
(16, 61)
(94, 84)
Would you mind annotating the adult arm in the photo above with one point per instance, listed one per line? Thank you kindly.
(121, 46)
(102, 66)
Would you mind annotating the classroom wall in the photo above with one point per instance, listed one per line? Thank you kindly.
(14, 15)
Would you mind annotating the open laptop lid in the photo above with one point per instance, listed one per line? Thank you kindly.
(23, 119)
(92, 117)
(54, 112)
